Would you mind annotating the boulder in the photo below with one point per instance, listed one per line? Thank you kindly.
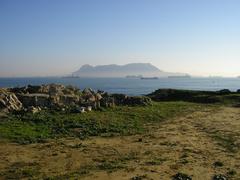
(50, 96)
(34, 109)
(89, 108)
(55, 89)
(88, 91)
(98, 97)
(28, 100)
(9, 101)
(68, 100)
(79, 110)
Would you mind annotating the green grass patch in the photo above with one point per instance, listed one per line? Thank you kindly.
(122, 120)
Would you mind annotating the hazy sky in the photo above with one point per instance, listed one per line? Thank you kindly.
(56, 37)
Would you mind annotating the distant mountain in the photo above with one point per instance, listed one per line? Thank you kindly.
(113, 70)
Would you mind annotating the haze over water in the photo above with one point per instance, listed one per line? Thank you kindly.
(131, 86)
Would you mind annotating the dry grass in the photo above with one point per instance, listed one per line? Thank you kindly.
(186, 144)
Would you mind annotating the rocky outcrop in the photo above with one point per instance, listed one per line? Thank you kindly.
(50, 89)
(60, 97)
(9, 101)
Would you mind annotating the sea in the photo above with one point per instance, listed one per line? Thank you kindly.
(130, 86)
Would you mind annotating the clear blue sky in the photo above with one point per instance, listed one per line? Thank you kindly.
(56, 37)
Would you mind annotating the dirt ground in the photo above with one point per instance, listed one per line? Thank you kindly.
(200, 145)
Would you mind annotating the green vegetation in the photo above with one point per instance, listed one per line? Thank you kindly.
(222, 97)
(227, 141)
(122, 120)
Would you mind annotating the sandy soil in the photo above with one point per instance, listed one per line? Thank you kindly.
(200, 145)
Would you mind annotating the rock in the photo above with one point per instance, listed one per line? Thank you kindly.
(89, 108)
(181, 176)
(9, 101)
(44, 100)
(98, 97)
(90, 98)
(55, 89)
(219, 177)
(34, 109)
(82, 109)
(41, 100)
(88, 91)
(68, 100)
(57, 96)
(50, 89)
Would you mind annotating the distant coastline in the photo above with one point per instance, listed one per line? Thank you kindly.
(132, 70)
(149, 78)
(68, 77)
(185, 76)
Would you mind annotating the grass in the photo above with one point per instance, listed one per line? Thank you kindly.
(155, 161)
(21, 170)
(227, 141)
(83, 171)
(122, 120)
(104, 164)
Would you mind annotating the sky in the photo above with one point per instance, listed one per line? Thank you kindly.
(57, 37)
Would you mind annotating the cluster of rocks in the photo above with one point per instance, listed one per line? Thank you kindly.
(60, 97)
(9, 101)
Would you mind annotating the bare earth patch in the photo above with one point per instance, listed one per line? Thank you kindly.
(200, 145)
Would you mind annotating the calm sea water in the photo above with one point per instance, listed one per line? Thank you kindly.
(130, 86)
